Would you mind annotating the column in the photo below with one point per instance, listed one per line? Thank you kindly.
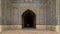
(58, 10)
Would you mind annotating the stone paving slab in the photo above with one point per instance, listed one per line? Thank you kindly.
(28, 32)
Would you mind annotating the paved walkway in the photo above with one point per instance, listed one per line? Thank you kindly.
(28, 32)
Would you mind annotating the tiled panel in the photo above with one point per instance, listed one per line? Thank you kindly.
(3, 12)
(16, 16)
(29, 1)
(51, 14)
(8, 13)
(58, 9)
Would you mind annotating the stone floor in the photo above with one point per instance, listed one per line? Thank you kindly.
(30, 31)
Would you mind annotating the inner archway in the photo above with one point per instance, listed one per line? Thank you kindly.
(28, 19)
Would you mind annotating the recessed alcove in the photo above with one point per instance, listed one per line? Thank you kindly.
(29, 19)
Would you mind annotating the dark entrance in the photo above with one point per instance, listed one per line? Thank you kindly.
(28, 19)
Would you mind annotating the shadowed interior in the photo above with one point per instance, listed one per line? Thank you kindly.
(28, 19)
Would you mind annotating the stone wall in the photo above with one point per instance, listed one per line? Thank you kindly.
(9, 15)
(21, 7)
(0, 17)
(13, 11)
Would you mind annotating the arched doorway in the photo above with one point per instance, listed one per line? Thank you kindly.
(28, 19)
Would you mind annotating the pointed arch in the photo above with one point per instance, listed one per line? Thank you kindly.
(28, 19)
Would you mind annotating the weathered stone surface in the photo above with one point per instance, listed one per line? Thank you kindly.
(28, 32)
(45, 14)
